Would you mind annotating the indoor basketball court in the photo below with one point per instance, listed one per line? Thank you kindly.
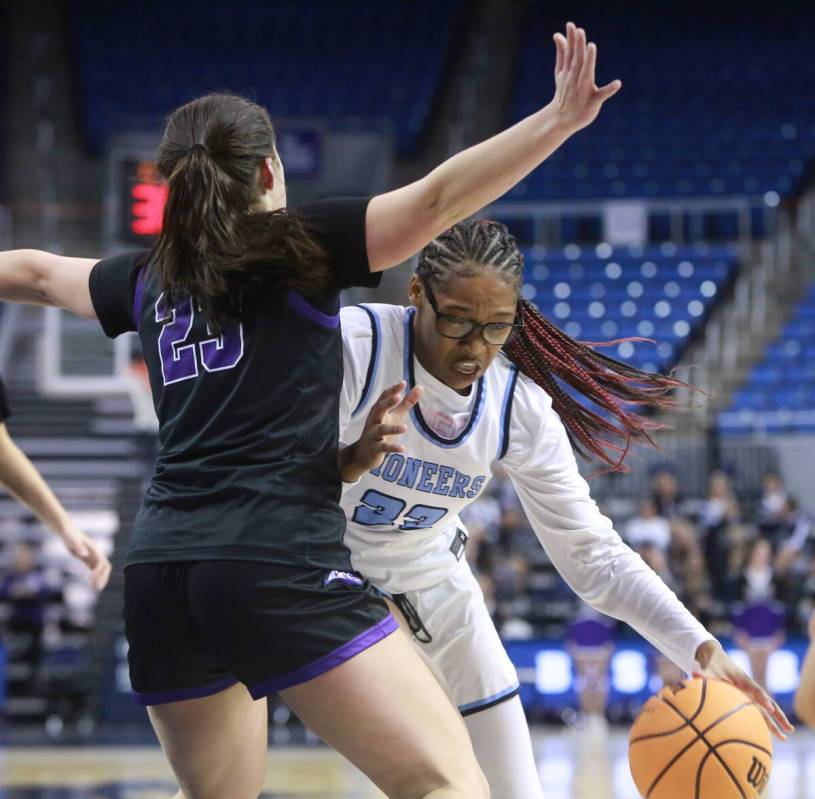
(648, 268)
(573, 764)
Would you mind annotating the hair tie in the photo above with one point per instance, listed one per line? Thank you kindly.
(200, 147)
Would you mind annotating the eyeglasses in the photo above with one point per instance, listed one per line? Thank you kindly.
(495, 333)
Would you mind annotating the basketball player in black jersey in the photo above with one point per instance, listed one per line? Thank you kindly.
(237, 583)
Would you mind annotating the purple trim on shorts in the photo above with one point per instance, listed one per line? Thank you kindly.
(137, 298)
(327, 662)
(180, 694)
(305, 308)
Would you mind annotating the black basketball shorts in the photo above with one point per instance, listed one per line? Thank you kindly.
(197, 628)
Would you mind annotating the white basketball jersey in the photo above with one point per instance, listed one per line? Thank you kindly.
(403, 529)
(403, 526)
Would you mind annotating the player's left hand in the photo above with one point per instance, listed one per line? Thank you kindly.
(718, 665)
(84, 548)
(386, 419)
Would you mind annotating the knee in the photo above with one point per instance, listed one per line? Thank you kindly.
(220, 792)
(236, 786)
(475, 787)
(479, 786)
(471, 784)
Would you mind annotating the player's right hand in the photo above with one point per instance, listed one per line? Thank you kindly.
(386, 419)
(718, 665)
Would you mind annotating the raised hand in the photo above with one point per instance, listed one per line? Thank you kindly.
(577, 98)
(386, 419)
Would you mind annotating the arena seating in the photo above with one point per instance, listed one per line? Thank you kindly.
(779, 394)
(139, 63)
(600, 293)
(692, 119)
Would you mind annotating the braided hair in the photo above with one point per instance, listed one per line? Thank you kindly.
(548, 356)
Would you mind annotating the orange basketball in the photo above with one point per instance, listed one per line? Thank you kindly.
(701, 739)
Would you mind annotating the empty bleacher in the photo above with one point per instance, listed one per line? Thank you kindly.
(663, 293)
(779, 393)
(716, 104)
(137, 64)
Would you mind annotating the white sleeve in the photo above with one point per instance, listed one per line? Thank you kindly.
(582, 543)
(356, 353)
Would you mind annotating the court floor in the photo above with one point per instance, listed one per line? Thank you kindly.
(573, 765)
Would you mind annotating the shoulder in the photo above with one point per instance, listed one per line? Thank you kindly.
(530, 400)
(373, 319)
(333, 212)
(119, 271)
(355, 322)
(531, 418)
(112, 287)
(368, 329)
(334, 222)
(130, 262)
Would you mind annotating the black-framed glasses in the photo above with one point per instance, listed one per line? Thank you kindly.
(457, 327)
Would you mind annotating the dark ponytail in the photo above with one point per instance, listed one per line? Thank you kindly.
(548, 356)
(213, 245)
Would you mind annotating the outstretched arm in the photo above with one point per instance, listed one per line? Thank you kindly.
(604, 571)
(43, 278)
(401, 222)
(26, 484)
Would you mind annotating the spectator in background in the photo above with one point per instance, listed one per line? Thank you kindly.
(25, 591)
(665, 491)
(720, 502)
(590, 643)
(684, 545)
(772, 506)
(720, 513)
(22, 480)
(648, 527)
(759, 620)
(795, 537)
(696, 587)
(805, 696)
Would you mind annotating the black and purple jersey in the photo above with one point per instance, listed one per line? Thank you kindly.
(247, 466)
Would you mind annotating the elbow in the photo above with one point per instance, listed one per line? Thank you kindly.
(28, 278)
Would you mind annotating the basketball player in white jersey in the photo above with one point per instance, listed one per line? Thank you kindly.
(486, 363)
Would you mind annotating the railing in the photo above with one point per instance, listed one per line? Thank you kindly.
(686, 215)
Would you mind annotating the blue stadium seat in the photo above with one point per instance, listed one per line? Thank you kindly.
(780, 390)
(685, 124)
(139, 63)
(660, 293)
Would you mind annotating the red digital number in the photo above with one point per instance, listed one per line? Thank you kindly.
(148, 208)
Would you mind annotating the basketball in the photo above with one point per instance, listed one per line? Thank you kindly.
(701, 739)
